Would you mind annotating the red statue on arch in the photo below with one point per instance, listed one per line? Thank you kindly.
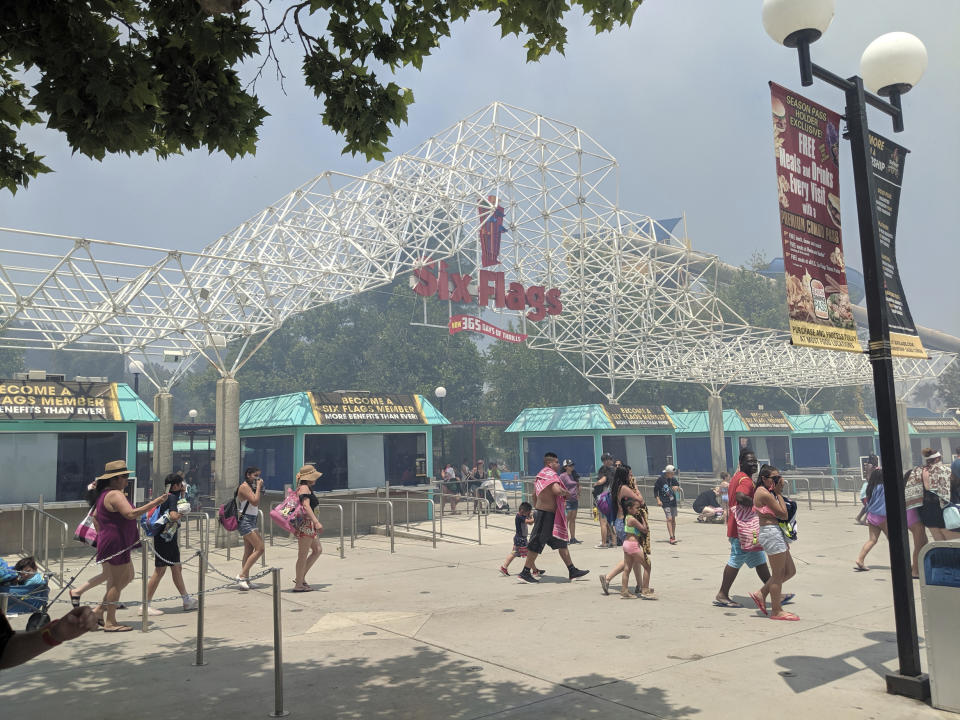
(491, 230)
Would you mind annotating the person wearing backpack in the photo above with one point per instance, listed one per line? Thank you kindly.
(665, 492)
(308, 544)
(602, 485)
(248, 508)
(166, 548)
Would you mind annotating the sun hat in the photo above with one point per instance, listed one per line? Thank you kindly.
(114, 468)
(308, 472)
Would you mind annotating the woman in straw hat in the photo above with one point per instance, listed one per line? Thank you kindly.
(117, 522)
(309, 544)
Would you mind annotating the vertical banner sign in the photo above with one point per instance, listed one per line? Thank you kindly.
(887, 159)
(806, 139)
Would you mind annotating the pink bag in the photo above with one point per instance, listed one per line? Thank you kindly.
(289, 513)
(86, 531)
(748, 527)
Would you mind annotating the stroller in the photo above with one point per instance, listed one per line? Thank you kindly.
(495, 494)
(24, 597)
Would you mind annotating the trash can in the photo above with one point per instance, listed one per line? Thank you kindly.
(940, 595)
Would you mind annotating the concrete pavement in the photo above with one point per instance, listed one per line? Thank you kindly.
(427, 633)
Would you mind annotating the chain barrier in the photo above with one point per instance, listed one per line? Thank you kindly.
(136, 603)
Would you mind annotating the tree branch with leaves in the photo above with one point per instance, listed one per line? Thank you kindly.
(162, 76)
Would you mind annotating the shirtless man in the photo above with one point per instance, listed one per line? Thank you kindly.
(549, 526)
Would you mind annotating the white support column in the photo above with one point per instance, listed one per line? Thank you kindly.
(718, 455)
(906, 452)
(162, 441)
(227, 464)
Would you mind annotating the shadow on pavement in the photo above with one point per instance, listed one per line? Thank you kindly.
(421, 683)
(805, 672)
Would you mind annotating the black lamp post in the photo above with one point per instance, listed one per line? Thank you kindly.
(193, 419)
(892, 64)
(441, 393)
(135, 367)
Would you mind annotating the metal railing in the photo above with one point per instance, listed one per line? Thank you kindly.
(203, 528)
(46, 518)
(353, 530)
(440, 498)
(433, 517)
(330, 505)
(229, 540)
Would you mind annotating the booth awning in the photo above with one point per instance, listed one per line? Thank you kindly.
(306, 409)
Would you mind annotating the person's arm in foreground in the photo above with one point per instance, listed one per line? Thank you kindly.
(23, 646)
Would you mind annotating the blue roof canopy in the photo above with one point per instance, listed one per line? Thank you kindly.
(296, 410)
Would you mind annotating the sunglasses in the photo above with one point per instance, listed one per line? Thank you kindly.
(775, 478)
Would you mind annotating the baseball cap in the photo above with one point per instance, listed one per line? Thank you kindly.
(568, 463)
(606, 456)
(669, 468)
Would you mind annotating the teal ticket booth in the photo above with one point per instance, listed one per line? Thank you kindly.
(641, 436)
(693, 439)
(357, 440)
(939, 433)
(56, 436)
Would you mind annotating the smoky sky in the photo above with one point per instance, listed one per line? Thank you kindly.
(680, 99)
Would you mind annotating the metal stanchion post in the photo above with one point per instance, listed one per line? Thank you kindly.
(201, 597)
(3, 603)
(46, 541)
(63, 542)
(479, 540)
(260, 527)
(390, 514)
(278, 710)
(144, 621)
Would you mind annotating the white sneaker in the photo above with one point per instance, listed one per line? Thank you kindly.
(190, 604)
(151, 610)
(244, 583)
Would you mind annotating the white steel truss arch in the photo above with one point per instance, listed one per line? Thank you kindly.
(637, 302)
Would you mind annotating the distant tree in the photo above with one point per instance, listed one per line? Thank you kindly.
(948, 389)
(519, 377)
(135, 76)
(11, 361)
(759, 300)
(364, 343)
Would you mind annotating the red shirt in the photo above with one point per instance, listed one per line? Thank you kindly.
(740, 482)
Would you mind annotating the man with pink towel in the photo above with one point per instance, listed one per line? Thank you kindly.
(549, 521)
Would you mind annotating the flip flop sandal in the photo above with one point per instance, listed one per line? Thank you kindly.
(758, 601)
(787, 598)
(860, 568)
(785, 616)
(727, 604)
(118, 628)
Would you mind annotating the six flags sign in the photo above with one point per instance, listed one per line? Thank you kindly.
(491, 285)
(436, 279)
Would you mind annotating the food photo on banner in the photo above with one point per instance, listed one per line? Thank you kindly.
(887, 160)
(807, 149)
